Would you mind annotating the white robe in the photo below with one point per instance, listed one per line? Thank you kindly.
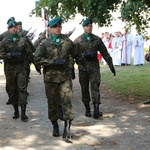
(117, 47)
(138, 50)
(127, 49)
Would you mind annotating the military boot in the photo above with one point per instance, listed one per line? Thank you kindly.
(147, 102)
(16, 113)
(55, 129)
(66, 134)
(60, 113)
(97, 113)
(24, 117)
(87, 110)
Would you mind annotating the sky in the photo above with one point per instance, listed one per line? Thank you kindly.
(20, 9)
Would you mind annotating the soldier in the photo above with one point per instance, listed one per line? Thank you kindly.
(6, 33)
(88, 44)
(21, 32)
(14, 53)
(2, 36)
(53, 55)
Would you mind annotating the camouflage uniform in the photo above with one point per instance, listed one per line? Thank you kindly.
(16, 76)
(57, 78)
(2, 36)
(89, 73)
(39, 40)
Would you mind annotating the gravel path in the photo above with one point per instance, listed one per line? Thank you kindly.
(124, 126)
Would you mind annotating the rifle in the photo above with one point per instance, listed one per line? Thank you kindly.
(31, 35)
(26, 32)
(70, 32)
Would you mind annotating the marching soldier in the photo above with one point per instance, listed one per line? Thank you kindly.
(87, 45)
(2, 36)
(53, 55)
(14, 53)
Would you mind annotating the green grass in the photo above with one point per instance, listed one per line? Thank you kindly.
(129, 82)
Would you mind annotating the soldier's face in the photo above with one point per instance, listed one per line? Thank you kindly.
(88, 28)
(19, 28)
(13, 30)
(56, 30)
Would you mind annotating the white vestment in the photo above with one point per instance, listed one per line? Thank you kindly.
(138, 50)
(116, 54)
(127, 49)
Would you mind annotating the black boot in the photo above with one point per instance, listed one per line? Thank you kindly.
(55, 129)
(60, 113)
(147, 102)
(24, 117)
(97, 113)
(87, 110)
(66, 134)
(16, 113)
(8, 102)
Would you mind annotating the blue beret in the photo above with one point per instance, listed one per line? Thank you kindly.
(10, 19)
(19, 23)
(54, 22)
(12, 24)
(86, 22)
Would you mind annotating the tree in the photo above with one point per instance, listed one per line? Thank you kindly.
(132, 12)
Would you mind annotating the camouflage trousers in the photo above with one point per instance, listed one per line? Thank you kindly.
(16, 84)
(59, 95)
(90, 83)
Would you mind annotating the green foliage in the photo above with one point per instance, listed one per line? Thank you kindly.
(136, 13)
(131, 82)
(133, 12)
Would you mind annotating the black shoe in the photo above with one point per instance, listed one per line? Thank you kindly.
(97, 113)
(87, 110)
(16, 113)
(27, 93)
(123, 64)
(24, 117)
(67, 137)
(55, 129)
(147, 102)
(8, 103)
(15, 116)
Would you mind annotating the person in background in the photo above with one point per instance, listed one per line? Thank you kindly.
(87, 45)
(127, 48)
(110, 48)
(138, 50)
(14, 53)
(53, 54)
(117, 47)
(2, 36)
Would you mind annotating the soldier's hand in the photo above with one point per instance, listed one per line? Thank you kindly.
(59, 61)
(113, 70)
(14, 54)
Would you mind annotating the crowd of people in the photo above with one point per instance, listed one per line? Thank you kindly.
(122, 46)
(56, 54)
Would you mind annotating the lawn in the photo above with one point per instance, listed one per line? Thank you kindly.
(130, 82)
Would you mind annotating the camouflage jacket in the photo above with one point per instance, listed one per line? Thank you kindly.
(3, 35)
(20, 46)
(47, 52)
(39, 40)
(91, 46)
